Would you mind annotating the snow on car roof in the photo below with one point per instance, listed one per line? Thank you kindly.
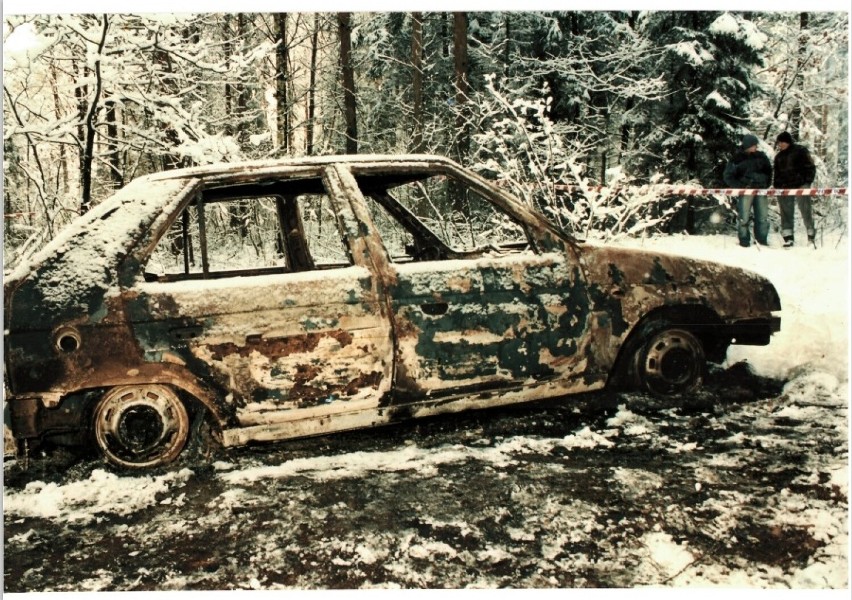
(280, 164)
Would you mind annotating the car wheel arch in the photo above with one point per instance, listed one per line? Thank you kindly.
(202, 418)
(698, 320)
(195, 394)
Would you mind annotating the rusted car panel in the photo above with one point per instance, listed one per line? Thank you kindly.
(503, 319)
(637, 283)
(67, 294)
(290, 298)
(269, 343)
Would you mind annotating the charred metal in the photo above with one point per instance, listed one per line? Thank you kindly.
(301, 297)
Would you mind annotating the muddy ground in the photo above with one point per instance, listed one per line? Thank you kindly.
(744, 486)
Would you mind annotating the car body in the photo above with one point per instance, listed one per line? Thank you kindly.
(298, 297)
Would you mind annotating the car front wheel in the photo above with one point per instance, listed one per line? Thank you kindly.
(140, 426)
(671, 362)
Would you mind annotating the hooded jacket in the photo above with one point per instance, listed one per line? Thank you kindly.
(748, 170)
(794, 167)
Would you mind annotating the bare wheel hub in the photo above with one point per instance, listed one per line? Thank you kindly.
(141, 426)
(672, 363)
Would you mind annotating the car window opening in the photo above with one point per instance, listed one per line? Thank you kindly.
(251, 230)
(437, 218)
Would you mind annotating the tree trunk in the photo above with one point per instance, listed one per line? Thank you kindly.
(629, 103)
(445, 36)
(312, 89)
(62, 167)
(344, 22)
(243, 92)
(116, 172)
(507, 51)
(796, 113)
(81, 92)
(228, 51)
(282, 69)
(461, 81)
(91, 132)
(625, 129)
(417, 79)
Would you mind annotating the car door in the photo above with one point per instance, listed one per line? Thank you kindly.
(485, 323)
(474, 305)
(256, 290)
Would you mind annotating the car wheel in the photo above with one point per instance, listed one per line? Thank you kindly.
(140, 426)
(670, 363)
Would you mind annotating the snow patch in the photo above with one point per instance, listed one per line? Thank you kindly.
(81, 501)
(586, 438)
(669, 556)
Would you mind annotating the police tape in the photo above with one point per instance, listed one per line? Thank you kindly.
(692, 191)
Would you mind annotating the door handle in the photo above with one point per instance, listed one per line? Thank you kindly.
(185, 333)
(434, 308)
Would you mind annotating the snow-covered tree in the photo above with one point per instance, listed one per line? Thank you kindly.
(806, 78)
(537, 99)
(117, 96)
(710, 64)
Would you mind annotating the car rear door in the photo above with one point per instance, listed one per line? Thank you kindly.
(260, 295)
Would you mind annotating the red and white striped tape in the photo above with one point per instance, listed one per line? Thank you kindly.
(693, 191)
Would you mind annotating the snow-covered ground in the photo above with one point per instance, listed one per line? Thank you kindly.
(750, 493)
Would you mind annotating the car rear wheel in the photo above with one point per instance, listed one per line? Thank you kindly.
(141, 426)
(669, 363)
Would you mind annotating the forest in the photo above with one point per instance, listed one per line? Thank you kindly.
(541, 102)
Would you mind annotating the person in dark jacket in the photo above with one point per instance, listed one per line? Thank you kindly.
(751, 169)
(794, 168)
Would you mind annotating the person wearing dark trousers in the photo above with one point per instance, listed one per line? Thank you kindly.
(794, 168)
(750, 168)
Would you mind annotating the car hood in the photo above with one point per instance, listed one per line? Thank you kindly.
(649, 278)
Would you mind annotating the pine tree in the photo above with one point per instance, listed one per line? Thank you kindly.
(709, 65)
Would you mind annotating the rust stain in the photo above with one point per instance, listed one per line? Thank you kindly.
(344, 338)
(311, 395)
(279, 347)
(364, 380)
(301, 389)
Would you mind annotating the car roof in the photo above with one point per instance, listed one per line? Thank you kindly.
(283, 164)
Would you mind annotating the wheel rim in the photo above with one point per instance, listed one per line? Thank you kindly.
(672, 363)
(141, 426)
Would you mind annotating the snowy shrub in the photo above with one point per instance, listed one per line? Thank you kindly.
(542, 163)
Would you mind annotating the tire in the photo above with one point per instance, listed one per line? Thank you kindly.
(141, 426)
(670, 363)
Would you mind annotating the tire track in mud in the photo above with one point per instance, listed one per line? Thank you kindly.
(742, 486)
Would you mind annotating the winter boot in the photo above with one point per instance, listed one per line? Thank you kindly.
(788, 241)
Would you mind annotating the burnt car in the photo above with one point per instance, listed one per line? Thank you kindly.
(274, 300)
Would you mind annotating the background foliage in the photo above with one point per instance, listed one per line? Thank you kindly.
(533, 99)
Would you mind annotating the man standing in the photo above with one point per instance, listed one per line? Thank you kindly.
(794, 168)
(750, 168)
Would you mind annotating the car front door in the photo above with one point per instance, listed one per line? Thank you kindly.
(475, 307)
